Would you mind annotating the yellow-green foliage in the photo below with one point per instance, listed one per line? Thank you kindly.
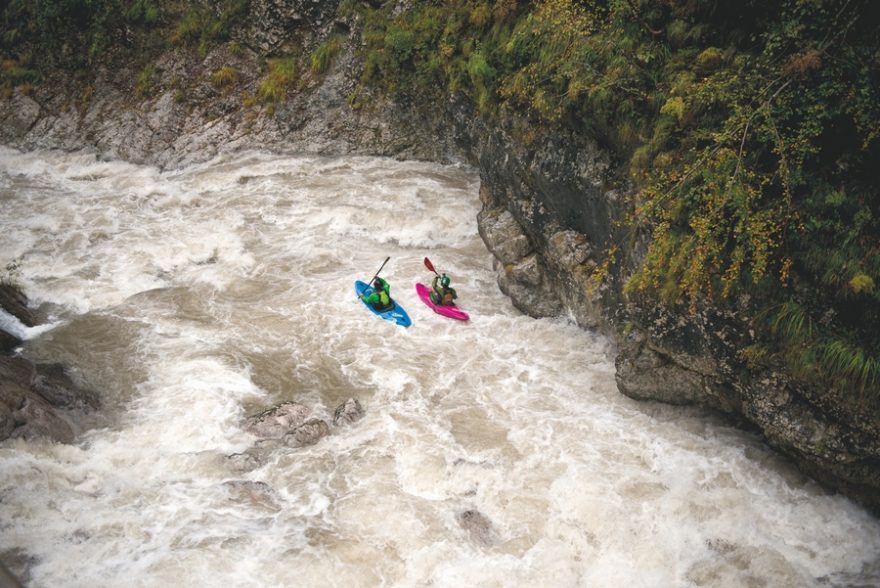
(861, 284)
(225, 77)
(12, 75)
(674, 107)
(143, 84)
(188, 29)
(754, 355)
(322, 57)
(280, 78)
(204, 28)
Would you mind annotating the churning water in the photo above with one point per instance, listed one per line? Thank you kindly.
(492, 453)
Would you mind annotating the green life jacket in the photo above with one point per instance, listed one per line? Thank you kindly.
(381, 298)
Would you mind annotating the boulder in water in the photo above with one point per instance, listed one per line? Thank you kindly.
(243, 462)
(23, 410)
(52, 383)
(478, 526)
(277, 422)
(37, 419)
(256, 493)
(348, 412)
(308, 433)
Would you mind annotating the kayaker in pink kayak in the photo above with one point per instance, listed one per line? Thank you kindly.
(441, 295)
(441, 292)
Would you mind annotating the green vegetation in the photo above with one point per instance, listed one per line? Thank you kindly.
(73, 35)
(143, 85)
(13, 75)
(750, 131)
(204, 28)
(281, 76)
(224, 78)
(69, 34)
(322, 57)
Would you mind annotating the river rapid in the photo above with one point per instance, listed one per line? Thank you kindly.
(496, 452)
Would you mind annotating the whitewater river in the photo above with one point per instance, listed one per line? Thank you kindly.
(491, 453)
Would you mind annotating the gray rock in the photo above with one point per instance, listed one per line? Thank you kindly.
(23, 413)
(55, 386)
(18, 116)
(8, 342)
(36, 419)
(503, 235)
(13, 301)
(308, 433)
(243, 462)
(568, 249)
(7, 421)
(527, 288)
(348, 412)
(478, 526)
(278, 421)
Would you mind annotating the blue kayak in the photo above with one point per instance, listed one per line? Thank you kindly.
(395, 313)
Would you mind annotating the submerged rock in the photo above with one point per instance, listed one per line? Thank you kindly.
(52, 383)
(243, 462)
(478, 526)
(36, 419)
(308, 433)
(256, 493)
(278, 421)
(348, 412)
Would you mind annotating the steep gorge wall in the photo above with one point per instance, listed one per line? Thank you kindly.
(551, 210)
(551, 207)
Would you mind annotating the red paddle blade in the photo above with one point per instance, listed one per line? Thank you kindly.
(430, 265)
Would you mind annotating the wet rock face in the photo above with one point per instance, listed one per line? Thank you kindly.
(13, 301)
(520, 274)
(26, 413)
(34, 397)
(271, 21)
(8, 342)
(18, 116)
(55, 386)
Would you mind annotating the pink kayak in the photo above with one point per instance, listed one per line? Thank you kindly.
(451, 310)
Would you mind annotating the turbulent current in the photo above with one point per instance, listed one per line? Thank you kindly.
(496, 452)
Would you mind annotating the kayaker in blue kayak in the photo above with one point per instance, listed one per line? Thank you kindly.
(441, 292)
(380, 297)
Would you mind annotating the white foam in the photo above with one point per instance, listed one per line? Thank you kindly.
(15, 327)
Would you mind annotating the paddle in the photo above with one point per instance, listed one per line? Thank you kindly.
(430, 266)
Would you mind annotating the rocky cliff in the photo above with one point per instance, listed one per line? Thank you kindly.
(552, 210)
